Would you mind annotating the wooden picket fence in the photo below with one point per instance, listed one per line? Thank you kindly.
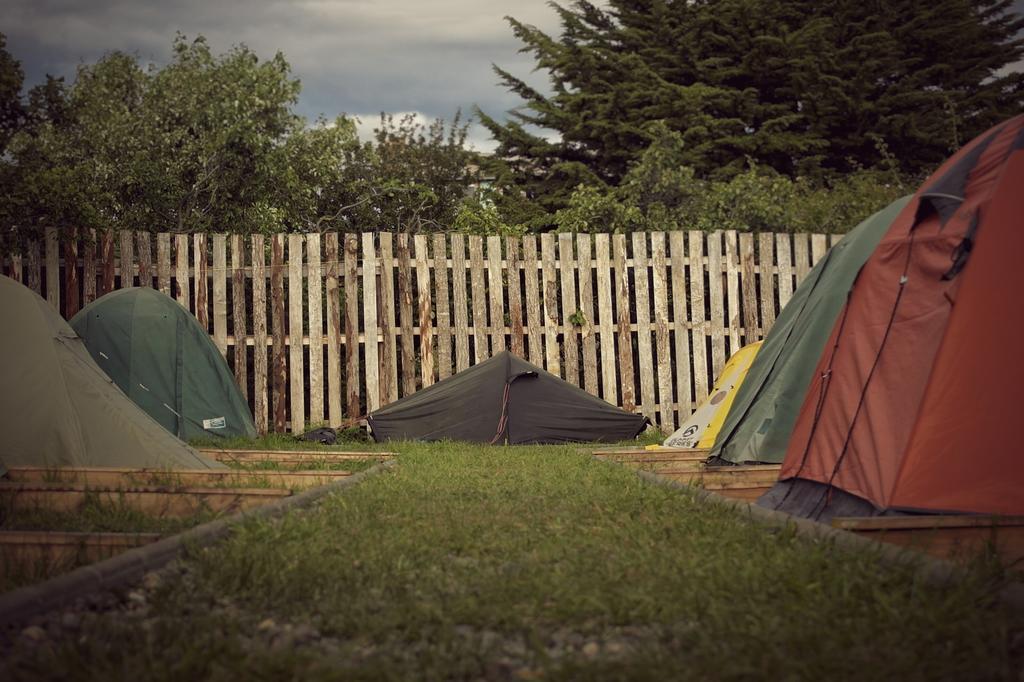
(323, 328)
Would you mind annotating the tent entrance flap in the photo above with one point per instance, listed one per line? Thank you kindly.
(501, 435)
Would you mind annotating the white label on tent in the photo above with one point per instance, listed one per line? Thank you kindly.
(215, 423)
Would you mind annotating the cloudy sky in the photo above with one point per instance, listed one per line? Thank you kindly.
(358, 57)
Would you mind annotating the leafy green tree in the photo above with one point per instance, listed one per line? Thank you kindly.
(12, 112)
(211, 142)
(206, 138)
(190, 146)
(416, 175)
(806, 88)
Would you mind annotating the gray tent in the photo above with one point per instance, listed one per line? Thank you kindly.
(59, 409)
(505, 399)
(762, 416)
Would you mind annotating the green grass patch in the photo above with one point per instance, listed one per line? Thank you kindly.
(98, 516)
(475, 562)
(94, 516)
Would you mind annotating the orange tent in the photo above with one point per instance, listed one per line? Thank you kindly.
(913, 405)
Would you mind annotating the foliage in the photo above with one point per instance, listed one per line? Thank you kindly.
(182, 148)
(412, 178)
(659, 193)
(12, 112)
(805, 88)
(481, 216)
(211, 143)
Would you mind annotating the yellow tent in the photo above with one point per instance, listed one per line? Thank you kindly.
(701, 429)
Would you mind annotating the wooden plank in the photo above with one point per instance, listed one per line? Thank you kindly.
(750, 495)
(182, 502)
(125, 477)
(819, 247)
(460, 302)
(947, 537)
(716, 302)
(658, 454)
(89, 275)
(296, 361)
(661, 338)
(676, 466)
(71, 298)
(570, 306)
(386, 298)
(801, 256)
(766, 266)
(163, 263)
(182, 276)
(737, 482)
(748, 281)
(278, 364)
(371, 329)
(34, 275)
(144, 254)
(549, 289)
(424, 306)
(609, 381)
(405, 309)
(56, 550)
(752, 475)
(243, 456)
(496, 294)
(645, 351)
(442, 313)
(334, 331)
(52, 268)
(680, 325)
(352, 385)
(957, 543)
(698, 317)
(517, 340)
(587, 329)
(478, 295)
(220, 293)
(259, 335)
(733, 316)
(534, 312)
(201, 280)
(926, 522)
(784, 254)
(238, 315)
(627, 387)
(314, 308)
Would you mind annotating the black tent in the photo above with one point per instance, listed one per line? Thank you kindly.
(504, 400)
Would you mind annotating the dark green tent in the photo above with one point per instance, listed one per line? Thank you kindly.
(157, 353)
(504, 399)
(58, 409)
(758, 426)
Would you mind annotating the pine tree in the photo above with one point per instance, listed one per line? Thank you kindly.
(805, 87)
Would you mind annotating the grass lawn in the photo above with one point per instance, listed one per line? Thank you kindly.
(469, 562)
